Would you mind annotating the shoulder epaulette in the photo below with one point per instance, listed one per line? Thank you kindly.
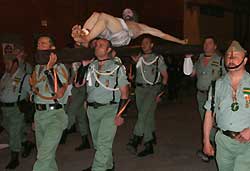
(117, 61)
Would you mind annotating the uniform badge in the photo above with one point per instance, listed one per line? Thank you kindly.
(107, 83)
(246, 92)
(97, 84)
(215, 63)
(235, 106)
(15, 83)
(153, 71)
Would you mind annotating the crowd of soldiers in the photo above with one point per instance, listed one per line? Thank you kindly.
(92, 92)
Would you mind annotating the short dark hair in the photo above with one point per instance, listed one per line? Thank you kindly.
(210, 37)
(51, 38)
(91, 41)
(109, 42)
(148, 36)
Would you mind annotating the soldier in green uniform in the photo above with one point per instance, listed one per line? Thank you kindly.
(76, 107)
(151, 81)
(14, 87)
(77, 111)
(107, 96)
(21, 56)
(49, 83)
(208, 67)
(232, 114)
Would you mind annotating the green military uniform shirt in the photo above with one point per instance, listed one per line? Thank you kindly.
(112, 73)
(26, 67)
(9, 87)
(206, 74)
(42, 84)
(226, 118)
(147, 68)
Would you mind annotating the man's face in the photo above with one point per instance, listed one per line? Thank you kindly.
(128, 14)
(102, 48)
(209, 46)
(44, 43)
(234, 58)
(20, 54)
(147, 45)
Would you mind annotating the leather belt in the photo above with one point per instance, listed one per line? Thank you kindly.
(146, 85)
(230, 134)
(96, 104)
(203, 91)
(42, 107)
(8, 104)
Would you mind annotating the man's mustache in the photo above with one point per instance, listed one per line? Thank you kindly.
(231, 64)
(128, 17)
(234, 66)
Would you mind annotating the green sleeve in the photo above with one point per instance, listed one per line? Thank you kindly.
(161, 64)
(26, 86)
(122, 77)
(62, 73)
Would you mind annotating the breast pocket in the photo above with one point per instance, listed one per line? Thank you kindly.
(215, 72)
(224, 102)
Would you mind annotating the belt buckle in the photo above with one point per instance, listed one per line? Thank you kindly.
(233, 135)
(95, 105)
(39, 107)
(51, 107)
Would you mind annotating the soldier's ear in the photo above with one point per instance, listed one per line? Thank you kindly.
(109, 49)
(245, 60)
(152, 45)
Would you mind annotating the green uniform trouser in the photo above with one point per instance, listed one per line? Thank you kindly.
(13, 122)
(103, 130)
(146, 106)
(201, 99)
(232, 155)
(49, 125)
(76, 110)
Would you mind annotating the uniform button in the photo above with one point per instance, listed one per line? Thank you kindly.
(231, 124)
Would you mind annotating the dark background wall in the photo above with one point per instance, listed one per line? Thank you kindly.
(22, 19)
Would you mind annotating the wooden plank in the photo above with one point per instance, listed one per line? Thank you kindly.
(69, 55)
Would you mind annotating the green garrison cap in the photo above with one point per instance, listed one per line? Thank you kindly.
(9, 57)
(236, 47)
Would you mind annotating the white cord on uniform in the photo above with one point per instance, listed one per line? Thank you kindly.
(95, 72)
(139, 64)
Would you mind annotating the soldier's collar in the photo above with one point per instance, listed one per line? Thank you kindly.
(148, 53)
(101, 60)
(208, 56)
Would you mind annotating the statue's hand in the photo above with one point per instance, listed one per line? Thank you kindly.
(185, 41)
(79, 34)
